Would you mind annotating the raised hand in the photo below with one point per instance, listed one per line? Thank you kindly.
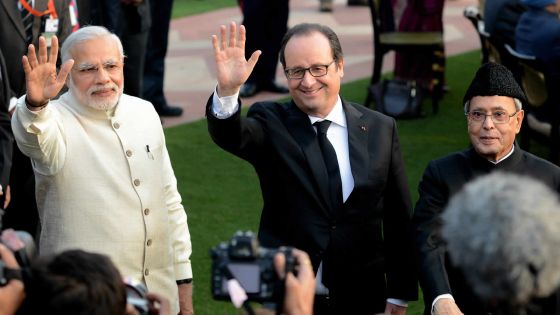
(231, 66)
(41, 78)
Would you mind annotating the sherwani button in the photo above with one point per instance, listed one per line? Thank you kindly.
(128, 153)
(146, 272)
(116, 125)
(146, 211)
(136, 182)
(149, 242)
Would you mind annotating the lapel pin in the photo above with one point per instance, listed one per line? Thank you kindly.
(364, 128)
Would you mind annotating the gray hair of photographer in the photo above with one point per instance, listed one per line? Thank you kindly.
(503, 231)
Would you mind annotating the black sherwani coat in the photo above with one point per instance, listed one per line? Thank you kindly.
(360, 244)
(443, 178)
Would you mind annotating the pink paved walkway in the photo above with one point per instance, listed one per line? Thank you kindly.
(189, 77)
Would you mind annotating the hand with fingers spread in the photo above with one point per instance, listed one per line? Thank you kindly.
(42, 80)
(300, 290)
(231, 66)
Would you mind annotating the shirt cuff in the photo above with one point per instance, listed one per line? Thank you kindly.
(184, 281)
(398, 302)
(13, 102)
(34, 122)
(183, 271)
(224, 107)
(439, 297)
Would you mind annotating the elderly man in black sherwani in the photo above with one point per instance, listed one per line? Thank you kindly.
(493, 109)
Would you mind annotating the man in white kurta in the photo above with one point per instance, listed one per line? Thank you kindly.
(104, 178)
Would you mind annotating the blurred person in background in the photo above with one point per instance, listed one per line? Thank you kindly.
(500, 19)
(266, 23)
(503, 232)
(78, 282)
(6, 137)
(154, 65)
(130, 20)
(20, 26)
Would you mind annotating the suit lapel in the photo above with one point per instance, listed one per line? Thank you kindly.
(302, 131)
(357, 143)
(11, 8)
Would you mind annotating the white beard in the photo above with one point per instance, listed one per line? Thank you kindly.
(98, 103)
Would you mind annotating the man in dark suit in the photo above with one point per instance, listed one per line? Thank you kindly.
(154, 65)
(22, 214)
(6, 137)
(493, 107)
(14, 40)
(353, 217)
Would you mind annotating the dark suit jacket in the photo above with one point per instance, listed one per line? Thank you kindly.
(443, 178)
(359, 244)
(6, 137)
(12, 37)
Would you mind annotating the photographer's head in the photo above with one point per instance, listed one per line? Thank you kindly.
(503, 232)
(76, 282)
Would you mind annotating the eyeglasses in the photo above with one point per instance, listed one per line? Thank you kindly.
(315, 71)
(498, 117)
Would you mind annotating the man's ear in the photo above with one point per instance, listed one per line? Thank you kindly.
(519, 120)
(340, 66)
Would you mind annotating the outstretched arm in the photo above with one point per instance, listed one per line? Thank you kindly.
(41, 79)
(231, 66)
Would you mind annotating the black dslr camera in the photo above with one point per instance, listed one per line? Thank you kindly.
(242, 259)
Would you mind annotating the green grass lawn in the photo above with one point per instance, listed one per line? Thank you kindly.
(189, 7)
(221, 192)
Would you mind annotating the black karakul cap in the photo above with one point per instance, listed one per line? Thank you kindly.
(494, 79)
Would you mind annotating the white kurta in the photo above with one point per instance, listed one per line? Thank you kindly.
(105, 184)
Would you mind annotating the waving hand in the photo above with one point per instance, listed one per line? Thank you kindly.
(41, 78)
(231, 66)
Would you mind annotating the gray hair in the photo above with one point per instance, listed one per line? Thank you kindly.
(84, 34)
(518, 105)
(503, 232)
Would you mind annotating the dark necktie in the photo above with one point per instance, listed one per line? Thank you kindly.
(27, 20)
(331, 162)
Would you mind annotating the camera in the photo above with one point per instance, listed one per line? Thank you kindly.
(22, 245)
(136, 296)
(252, 266)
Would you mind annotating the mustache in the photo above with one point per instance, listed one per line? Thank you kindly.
(108, 86)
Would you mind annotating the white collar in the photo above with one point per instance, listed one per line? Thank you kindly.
(336, 115)
(505, 157)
